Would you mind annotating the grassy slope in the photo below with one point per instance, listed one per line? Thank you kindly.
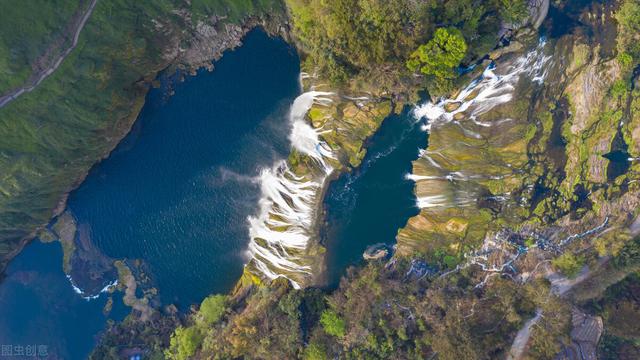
(26, 30)
(50, 137)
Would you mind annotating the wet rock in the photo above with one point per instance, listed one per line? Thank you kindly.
(514, 46)
(376, 252)
(90, 269)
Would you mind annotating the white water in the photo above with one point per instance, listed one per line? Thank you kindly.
(490, 90)
(483, 94)
(79, 291)
(282, 229)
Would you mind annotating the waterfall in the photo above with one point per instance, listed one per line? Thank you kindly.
(495, 86)
(281, 230)
(487, 91)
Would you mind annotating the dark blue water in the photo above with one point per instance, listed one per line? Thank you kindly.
(369, 205)
(177, 191)
(39, 307)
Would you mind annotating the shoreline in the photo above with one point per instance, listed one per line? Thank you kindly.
(124, 125)
(321, 279)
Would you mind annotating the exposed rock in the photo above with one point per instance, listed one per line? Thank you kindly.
(514, 46)
(89, 268)
(585, 334)
(538, 10)
(588, 88)
(208, 44)
(376, 252)
(128, 282)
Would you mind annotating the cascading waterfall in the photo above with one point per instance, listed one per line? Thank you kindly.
(281, 231)
(484, 93)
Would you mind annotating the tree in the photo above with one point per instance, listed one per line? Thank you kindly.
(212, 308)
(628, 17)
(332, 323)
(568, 264)
(315, 352)
(440, 55)
(184, 343)
(513, 11)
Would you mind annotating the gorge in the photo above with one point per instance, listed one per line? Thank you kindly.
(447, 179)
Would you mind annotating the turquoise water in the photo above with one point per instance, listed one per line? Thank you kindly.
(368, 205)
(177, 191)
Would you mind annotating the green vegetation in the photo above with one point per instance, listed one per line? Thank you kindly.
(439, 56)
(184, 343)
(315, 352)
(332, 323)
(618, 306)
(628, 17)
(234, 11)
(389, 316)
(212, 308)
(569, 264)
(371, 40)
(28, 29)
(514, 11)
(344, 37)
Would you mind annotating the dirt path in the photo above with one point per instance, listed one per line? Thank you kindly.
(522, 337)
(36, 79)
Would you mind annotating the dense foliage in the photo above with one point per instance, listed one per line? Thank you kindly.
(628, 17)
(385, 314)
(374, 38)
(440, 55)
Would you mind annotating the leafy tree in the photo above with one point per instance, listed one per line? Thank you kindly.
(628, 17)
(332, 323)
(315, 352)
(568, 264)
(461, 14)
(513, 11)
(184, 343)
(212, 308)
(440, 55)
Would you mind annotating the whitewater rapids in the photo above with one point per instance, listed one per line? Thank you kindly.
(490, 89)
(281, 231)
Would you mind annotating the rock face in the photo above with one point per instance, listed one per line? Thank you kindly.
(585, 335)
(538, 10)
(88, 268)
(328, 133)
(207, 42)
(520, 151)
(521, 141)
(476, 154)
(376, 252)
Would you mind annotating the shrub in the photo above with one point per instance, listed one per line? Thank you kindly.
(184, 343)
(332, 323)
(568, 264)
(513, 11)
(440, 55)
(212, 308)
(315, 352)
